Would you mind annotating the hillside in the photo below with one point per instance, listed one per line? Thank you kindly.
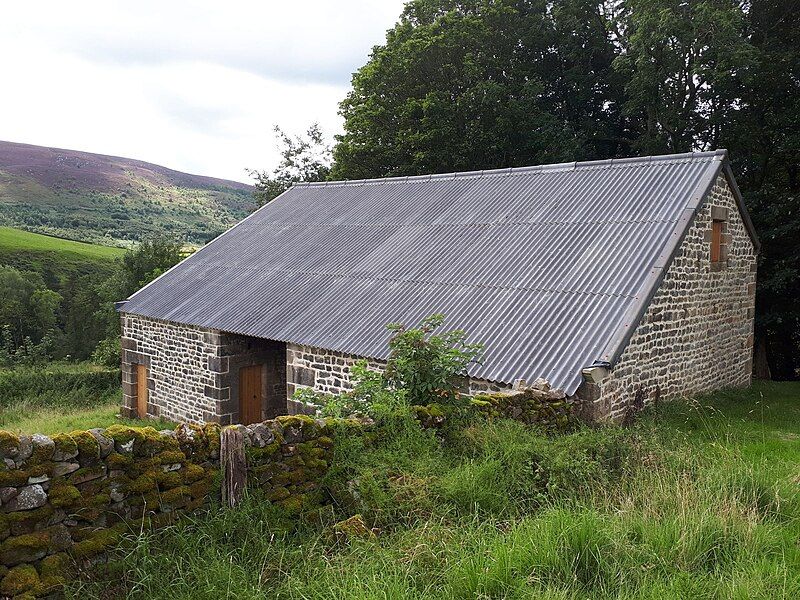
(54, 258)
(108, 199)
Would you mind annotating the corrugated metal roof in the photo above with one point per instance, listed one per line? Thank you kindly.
(546, 266)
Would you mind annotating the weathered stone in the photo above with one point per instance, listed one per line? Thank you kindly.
(18, 581)
(7, 493)
(540, 384)
(87, 474)
(24, 548)
(43, 447)
(29, 497)
(292, 435)
(38, 479)
(64, 468)
(261, 435)
(25, 449)
(60, 538)
(125, 448)
(106, 444)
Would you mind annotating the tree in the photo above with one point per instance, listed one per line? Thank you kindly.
(27, 308)
(303, 159)
(763, 135)
(474, 84)
(680, 61)
(146, 262)
(483, 84)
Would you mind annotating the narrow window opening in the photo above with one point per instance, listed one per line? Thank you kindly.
(717, 229)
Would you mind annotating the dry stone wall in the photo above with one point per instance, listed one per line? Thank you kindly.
(328, 372)
(697, 333)
(65, 500)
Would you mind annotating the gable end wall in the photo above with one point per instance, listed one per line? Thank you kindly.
(697, 333)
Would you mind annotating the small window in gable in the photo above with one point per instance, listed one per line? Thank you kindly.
(719, 238)
(717, 229)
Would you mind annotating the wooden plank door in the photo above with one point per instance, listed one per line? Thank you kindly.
(250, 394)
(141, 391)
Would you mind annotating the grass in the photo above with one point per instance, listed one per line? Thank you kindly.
(24, 241)
(697, 500)
(56, 420)
(57, 260)
(62, 397)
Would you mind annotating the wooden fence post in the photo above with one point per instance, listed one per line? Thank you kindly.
(234, 465)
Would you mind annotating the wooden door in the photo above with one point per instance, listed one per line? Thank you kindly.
(141, 391)
(250, 394)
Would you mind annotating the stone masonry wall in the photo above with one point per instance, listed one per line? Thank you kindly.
(697, 334)
(193, 371)
(66, 500)
(328, 372)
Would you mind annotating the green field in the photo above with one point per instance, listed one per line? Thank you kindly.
(699, 499)
(61, 397)
(16, 240)
(54, 258)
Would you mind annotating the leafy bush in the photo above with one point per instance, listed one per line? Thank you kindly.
(423, 368)
(430, 368)
(108, 352)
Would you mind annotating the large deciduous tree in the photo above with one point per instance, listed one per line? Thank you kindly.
(483, 84)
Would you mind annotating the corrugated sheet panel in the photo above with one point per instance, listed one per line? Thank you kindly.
(540, 264)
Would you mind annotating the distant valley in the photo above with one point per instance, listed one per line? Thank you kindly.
(112, 200)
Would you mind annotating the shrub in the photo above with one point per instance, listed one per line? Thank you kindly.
(430, 368)
(108, 352)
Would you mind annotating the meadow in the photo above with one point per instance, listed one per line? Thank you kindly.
(61, 397)
(698, 499)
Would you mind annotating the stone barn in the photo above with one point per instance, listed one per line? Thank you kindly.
(618, 281)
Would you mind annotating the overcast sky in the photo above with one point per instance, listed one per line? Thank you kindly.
(192, 85)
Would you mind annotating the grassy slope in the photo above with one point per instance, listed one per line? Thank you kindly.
(698, 500)
(16, 240)
(55, 258)
(61, 397)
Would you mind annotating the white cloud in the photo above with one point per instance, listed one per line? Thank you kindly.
(195, 86)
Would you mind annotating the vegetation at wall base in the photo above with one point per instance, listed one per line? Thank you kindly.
(698, 500)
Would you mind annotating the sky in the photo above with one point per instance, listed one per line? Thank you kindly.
(196, 85)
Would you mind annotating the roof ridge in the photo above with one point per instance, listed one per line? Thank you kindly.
(566, 166)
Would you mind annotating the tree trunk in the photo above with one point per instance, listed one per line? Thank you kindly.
(760, 364)
(234, 465)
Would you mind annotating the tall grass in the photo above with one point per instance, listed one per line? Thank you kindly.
(60, 397)
(674, 507)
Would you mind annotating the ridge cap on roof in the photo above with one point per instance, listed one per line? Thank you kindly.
(720, 154)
